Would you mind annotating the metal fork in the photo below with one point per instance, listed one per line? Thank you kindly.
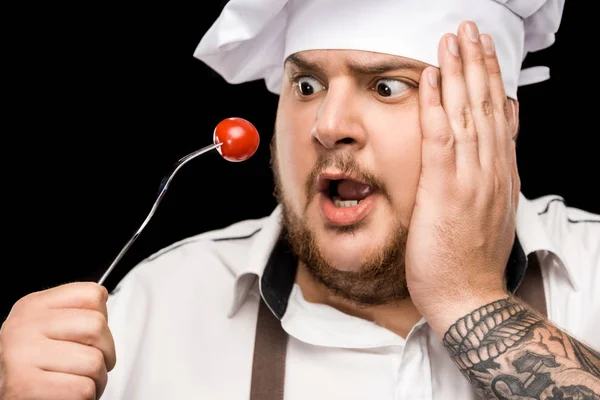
(164, 185)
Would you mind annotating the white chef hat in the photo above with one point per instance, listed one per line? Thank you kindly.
(252, 38)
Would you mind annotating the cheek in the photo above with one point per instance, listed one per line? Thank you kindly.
(295, 153)
(398, 158)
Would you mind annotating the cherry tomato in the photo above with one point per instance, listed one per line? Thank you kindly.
(239, 139)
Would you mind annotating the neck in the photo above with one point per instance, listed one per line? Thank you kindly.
(398, 317)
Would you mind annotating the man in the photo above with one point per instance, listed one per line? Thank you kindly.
(390, 269)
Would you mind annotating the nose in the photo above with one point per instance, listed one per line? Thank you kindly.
(339, 122)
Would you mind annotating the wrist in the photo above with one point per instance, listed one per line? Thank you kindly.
(442, 317)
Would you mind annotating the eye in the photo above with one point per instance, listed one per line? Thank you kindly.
(390, 87)
(307, 86)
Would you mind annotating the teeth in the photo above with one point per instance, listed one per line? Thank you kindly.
(338, 202)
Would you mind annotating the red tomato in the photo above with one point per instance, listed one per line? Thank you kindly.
(239, 139)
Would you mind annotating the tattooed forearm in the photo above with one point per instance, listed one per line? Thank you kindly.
(507, 352)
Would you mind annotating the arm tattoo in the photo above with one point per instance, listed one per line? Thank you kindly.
(507, 351)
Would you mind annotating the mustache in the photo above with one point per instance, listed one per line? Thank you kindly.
(347, 164)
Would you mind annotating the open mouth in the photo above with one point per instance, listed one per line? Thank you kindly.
(344, 201)
(347, 193)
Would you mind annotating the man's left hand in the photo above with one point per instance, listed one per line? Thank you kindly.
(463, 223)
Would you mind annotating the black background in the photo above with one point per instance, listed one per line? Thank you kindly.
(101, 100)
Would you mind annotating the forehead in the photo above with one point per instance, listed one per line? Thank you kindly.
(352, 61)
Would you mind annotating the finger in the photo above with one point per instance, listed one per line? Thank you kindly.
(500, 104)
(477, 82)
(87, 327)
(494, 73)
(516, 178)
(514, 128)
(455, 100)
(61, 386)
(86, 295)
(438, 140)
(72, 358)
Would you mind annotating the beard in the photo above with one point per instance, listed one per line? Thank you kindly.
(380, 279)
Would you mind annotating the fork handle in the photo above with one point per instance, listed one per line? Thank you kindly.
(164, 185)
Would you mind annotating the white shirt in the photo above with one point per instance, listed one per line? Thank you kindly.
(184, 320)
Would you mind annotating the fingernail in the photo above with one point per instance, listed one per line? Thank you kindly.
(472, 32)
(432, 76)
(488, 45)
(452, 45)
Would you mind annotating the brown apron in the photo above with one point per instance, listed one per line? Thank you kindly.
(268, 366)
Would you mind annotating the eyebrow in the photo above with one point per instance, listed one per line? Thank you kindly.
(358, 68)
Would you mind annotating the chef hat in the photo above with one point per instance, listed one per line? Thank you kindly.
(252, 38)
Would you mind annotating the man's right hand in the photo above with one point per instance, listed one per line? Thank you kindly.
(56, 345)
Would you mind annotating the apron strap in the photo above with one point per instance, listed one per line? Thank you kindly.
(268, 365)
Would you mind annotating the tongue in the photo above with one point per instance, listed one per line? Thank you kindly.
(352, 190)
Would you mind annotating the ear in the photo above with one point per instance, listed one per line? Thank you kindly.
(513, 117)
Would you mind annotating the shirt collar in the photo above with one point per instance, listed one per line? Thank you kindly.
(534, 237)
(259, 255)
(273, 265)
